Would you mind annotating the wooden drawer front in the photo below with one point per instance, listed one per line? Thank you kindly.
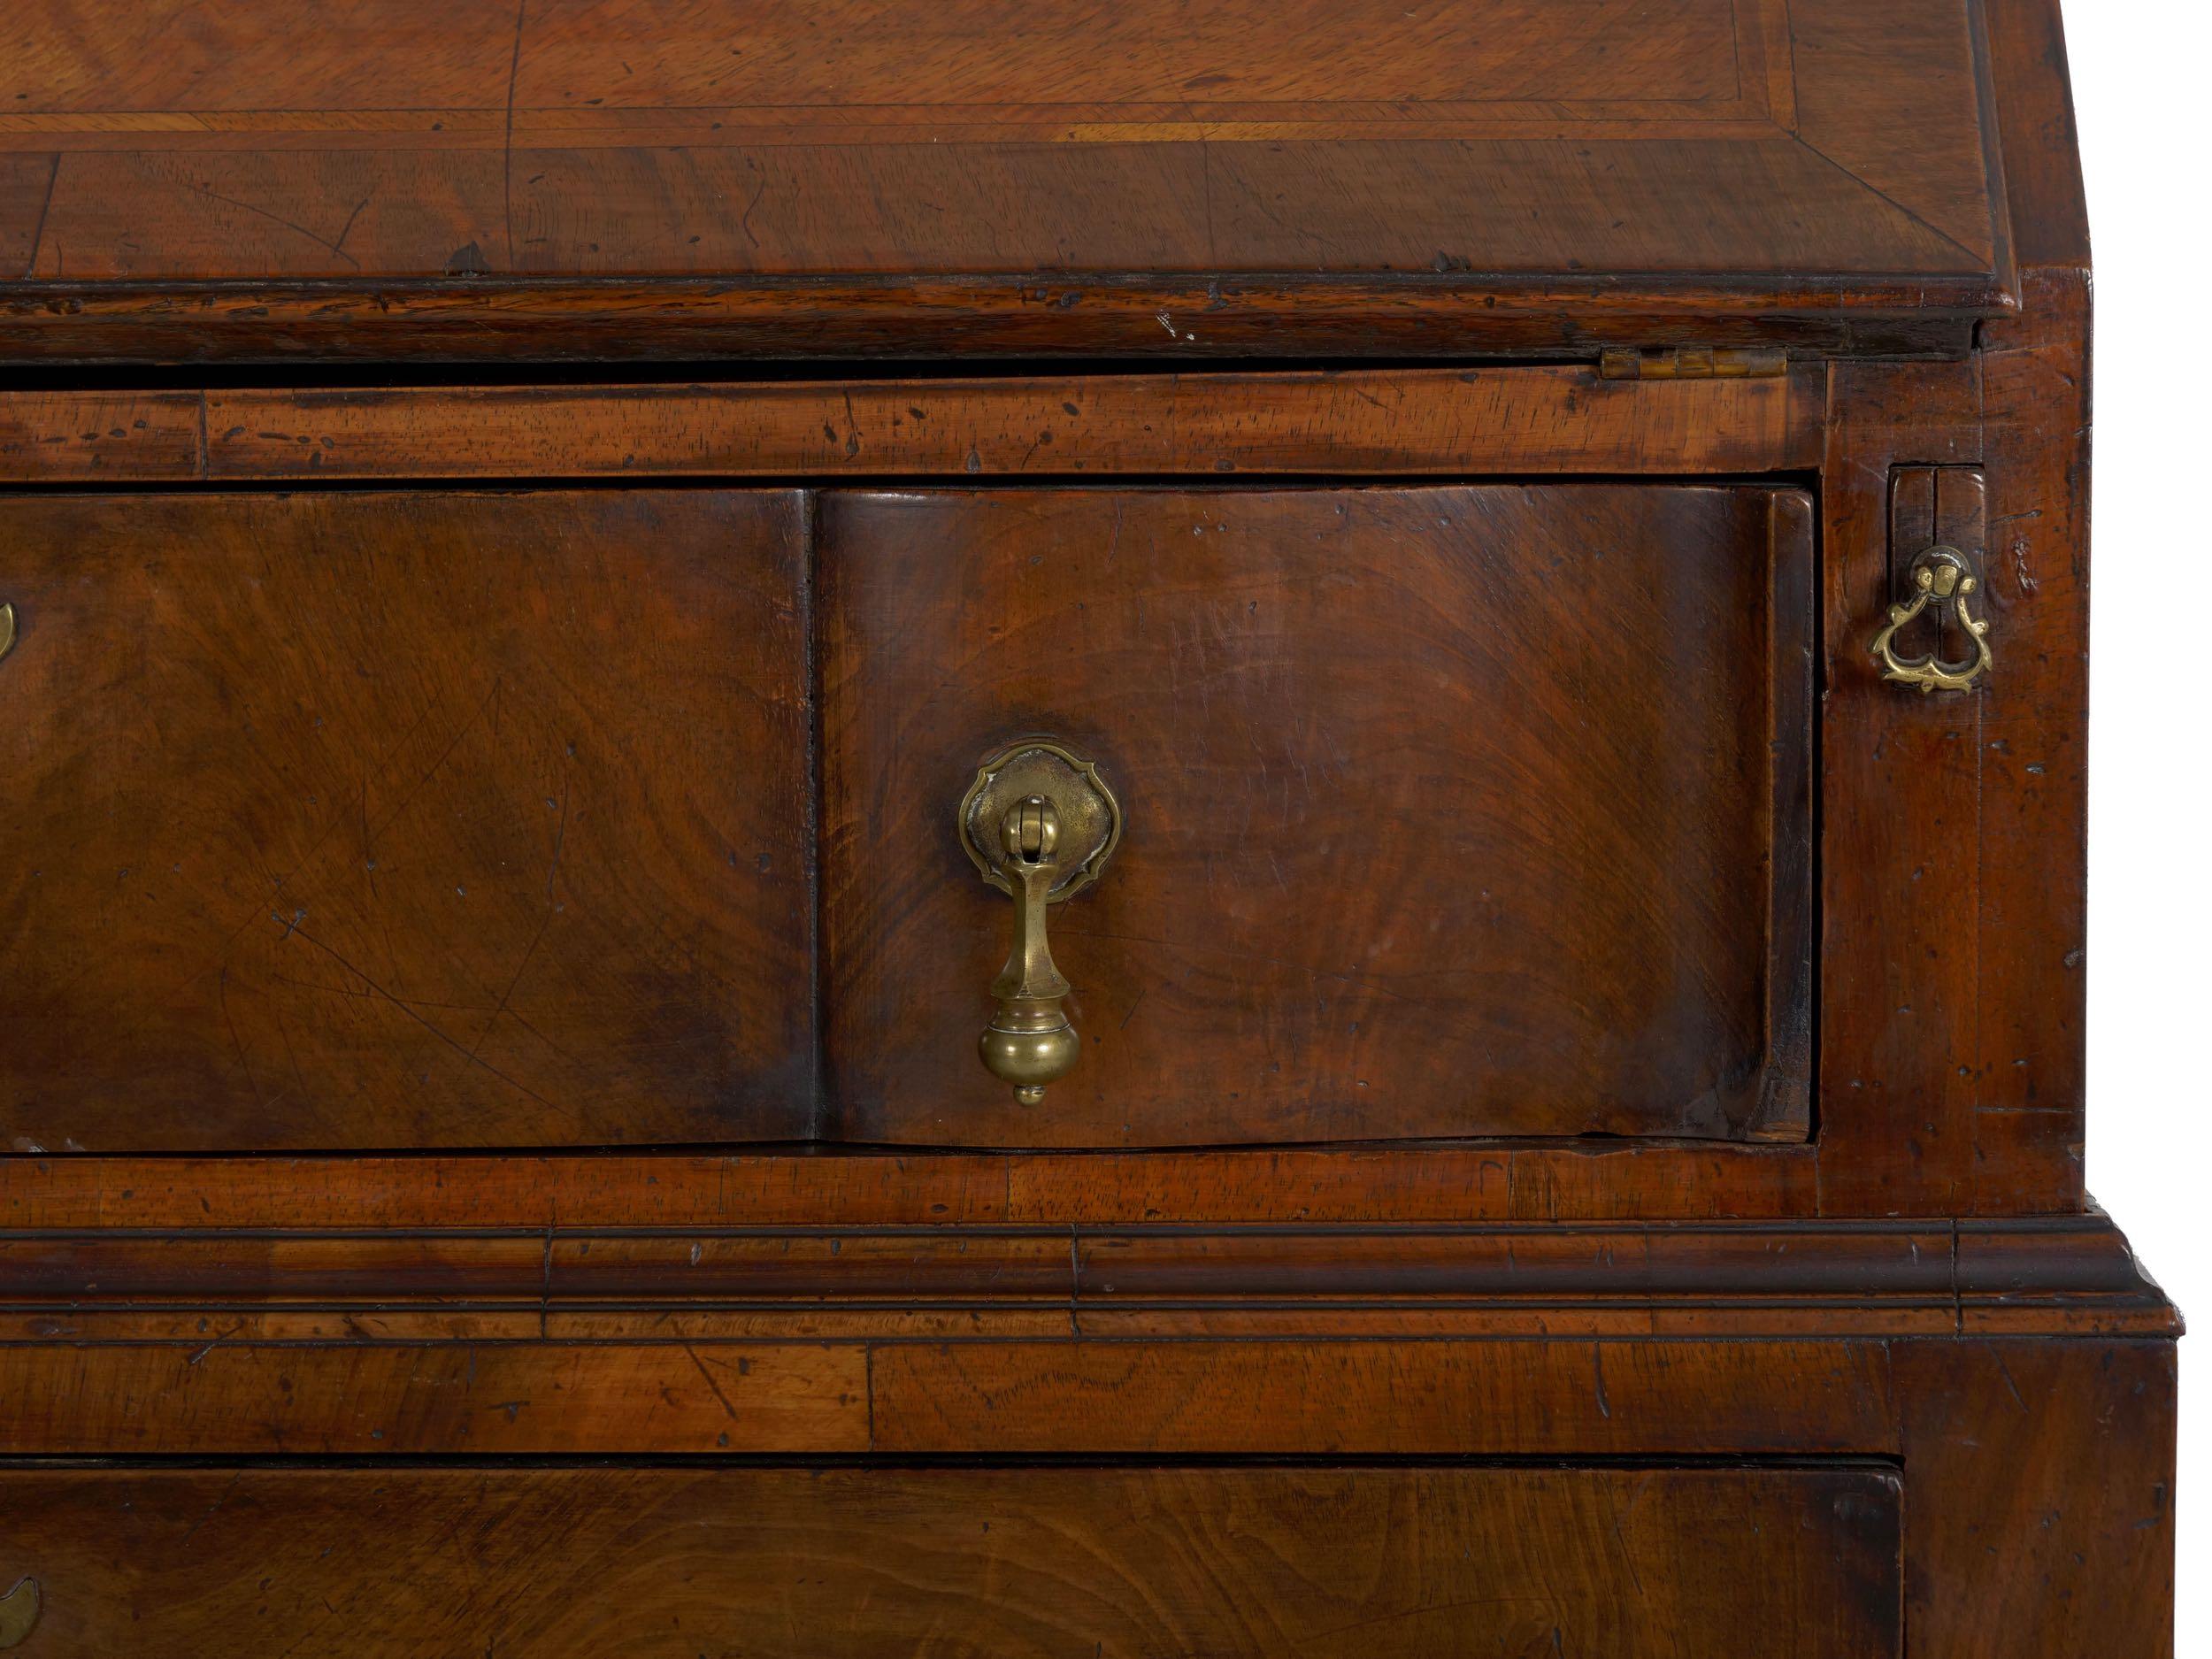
(673, 1563)
(402, 820)
(410, 820)
(1451, 811)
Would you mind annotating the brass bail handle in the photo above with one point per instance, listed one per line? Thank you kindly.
(1040, 824)
(1029, 1042)
(1940, 576)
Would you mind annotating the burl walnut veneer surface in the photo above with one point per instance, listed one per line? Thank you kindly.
(676, 1563)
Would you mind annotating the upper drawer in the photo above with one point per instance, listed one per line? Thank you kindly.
(400, 820)
(1066, 1563)
(397, 819)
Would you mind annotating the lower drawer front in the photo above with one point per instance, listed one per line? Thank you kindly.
(1092, 1561)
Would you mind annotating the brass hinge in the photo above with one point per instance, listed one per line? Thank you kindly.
(1692, 363)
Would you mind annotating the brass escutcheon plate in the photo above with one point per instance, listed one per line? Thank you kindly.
(1090, 818)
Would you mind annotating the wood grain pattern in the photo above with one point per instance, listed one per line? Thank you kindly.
(2059, 1275)
(1878, 1146)
(1899, 939)
(960, 154)
(2057, 1460)
(403, 821)
(1349, 1399)
(592, 138)
(2044, 210)
(1902, 1333)
(2029, 1060)
(214, 1394)
(1453, 811)
(1594, 1177)
(75, 437)
(1454, 422)
(1162, 320)
(1567, 1180)
(986, 1392)
(1398, 422)
(669, 1563)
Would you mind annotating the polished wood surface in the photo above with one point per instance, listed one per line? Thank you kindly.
(1567, 1179)
(2059, 1275)
(1953, 957)
(1392, 423)
(2054, 1455)
(956, 156)
(2057, 1460)
(986, 1392)
(2008, 1138)
(673, 1562)
(500, 1396)
(173, 141)
(1452, 811)
(1583, 938)
(399, 820)
(375, 1358)
(808, 320)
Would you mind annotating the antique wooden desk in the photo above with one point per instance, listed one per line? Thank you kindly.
(1502, 588)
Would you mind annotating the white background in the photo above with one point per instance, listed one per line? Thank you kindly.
(2143, 97)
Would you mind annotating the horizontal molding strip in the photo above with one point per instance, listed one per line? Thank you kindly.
(1866, 1276)
(1348, 424)
(1172, 318)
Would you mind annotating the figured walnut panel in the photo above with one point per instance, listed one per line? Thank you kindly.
(178, 143)
(400, 820)
(1425, 206)
(1105, 1564)
(1454, 811)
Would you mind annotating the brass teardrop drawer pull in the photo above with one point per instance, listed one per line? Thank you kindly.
(1040, 824)
(1940, 576)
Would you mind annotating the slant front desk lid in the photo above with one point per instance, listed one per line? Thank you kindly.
(811, 177)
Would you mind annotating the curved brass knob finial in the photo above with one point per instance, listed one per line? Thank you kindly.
(1040, 824)
(1940, 576)
(18, 1611)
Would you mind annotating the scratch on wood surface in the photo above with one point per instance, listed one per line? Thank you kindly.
(728, 1409)
(436, 1030)
(276, 219)
(38, 226)
(507, 140)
